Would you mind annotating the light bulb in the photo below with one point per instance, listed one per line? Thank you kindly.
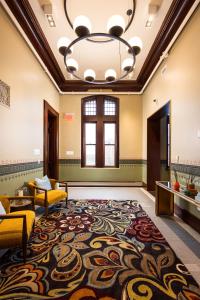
(72, 65)
(116, 25)
(82, 26)
(136, 43)
(110, 75)
(128, 64)
(89, 75)
(49, 17)
(62, 45)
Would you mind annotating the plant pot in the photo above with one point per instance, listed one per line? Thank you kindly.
(191, 186)
(191, 193)
(176, 186)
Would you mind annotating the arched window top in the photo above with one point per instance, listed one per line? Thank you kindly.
(109, 107)
(90, 107)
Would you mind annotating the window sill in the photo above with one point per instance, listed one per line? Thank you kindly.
(103, 168)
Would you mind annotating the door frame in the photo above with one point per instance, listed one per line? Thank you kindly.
(50, 111)
(153, 142)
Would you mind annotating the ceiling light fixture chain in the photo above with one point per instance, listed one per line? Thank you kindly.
(115, 28)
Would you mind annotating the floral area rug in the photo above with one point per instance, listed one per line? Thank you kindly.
(96, 249)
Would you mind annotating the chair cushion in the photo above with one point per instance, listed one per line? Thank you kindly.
(6, 203)
(53, 196)
(43, 183)
(2, 211)
(11, 229)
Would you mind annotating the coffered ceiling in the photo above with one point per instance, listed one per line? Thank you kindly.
(100, 56)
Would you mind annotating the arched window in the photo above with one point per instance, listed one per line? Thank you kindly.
(100, 132)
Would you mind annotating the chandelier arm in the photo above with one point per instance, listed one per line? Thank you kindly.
(98, 82)
(66, 14)
(102, 41)
(100, 34)
(131, 51)
(132, 16)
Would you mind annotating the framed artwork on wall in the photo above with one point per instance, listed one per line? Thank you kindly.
(4, 94)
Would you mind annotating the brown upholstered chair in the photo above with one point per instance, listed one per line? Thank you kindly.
(16, 227)
(45, 198)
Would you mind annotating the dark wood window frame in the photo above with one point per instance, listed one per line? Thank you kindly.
(100, 119)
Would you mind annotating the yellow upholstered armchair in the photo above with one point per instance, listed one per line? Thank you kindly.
(43, 197)
(16, 227)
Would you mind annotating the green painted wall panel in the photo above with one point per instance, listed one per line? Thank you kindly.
(144, 173)
(9, 183)
(126, 172)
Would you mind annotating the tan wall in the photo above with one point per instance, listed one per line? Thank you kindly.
(130, 126)
(22, 124)
(180, 84)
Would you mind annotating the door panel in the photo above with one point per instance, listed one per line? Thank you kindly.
(158, 147)
(51, 118)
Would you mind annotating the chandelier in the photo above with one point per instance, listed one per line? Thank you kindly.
(116, 27)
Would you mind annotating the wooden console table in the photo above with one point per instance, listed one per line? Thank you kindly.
(165, 198)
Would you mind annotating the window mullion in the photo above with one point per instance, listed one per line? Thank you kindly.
(100, 133)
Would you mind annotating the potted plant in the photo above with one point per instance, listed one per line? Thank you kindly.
(190, 186)
(176, 184)
(190, 183)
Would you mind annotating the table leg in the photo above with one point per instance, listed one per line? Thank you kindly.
(164, 202)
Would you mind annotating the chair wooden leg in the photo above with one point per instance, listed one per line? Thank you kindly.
(24, 249)
(66, 201)
(24, 238)
(46, 211)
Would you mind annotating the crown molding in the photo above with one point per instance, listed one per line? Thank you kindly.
(120, 86)
(26, 18)
(175, 16)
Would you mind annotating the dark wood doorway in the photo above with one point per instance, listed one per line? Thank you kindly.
(158, 147)
(51, 130)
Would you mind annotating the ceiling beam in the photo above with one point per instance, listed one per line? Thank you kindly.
(119, 86)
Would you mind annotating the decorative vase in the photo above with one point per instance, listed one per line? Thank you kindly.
(176, 186)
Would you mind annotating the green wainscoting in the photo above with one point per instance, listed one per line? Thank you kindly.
(144, 172)
(11, 182)
(163, 171)
(129, 170)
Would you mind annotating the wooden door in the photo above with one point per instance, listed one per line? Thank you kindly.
(51, 127)
(157, 139)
